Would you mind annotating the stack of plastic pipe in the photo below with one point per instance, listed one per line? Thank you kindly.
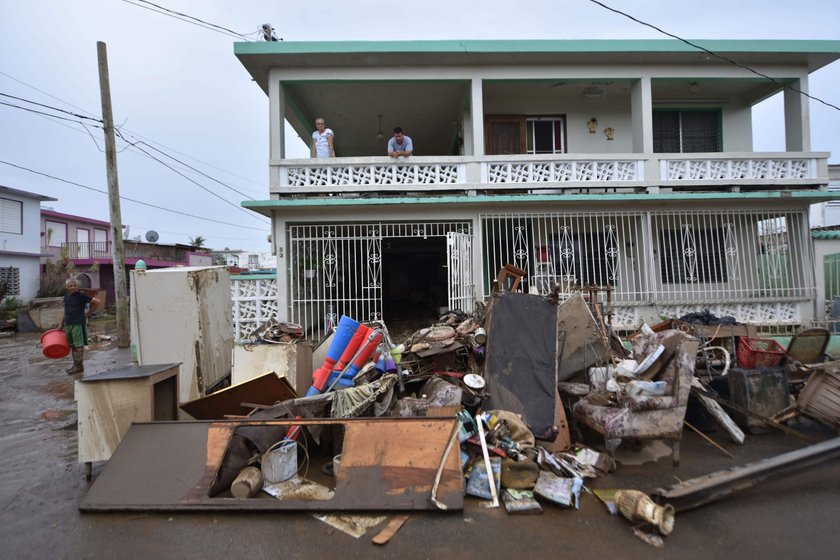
(343, 378)
(344, 335)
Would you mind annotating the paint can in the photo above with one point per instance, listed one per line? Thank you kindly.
(480, 336)
(279, 463)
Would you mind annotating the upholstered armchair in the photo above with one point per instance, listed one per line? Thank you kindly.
(643, 416)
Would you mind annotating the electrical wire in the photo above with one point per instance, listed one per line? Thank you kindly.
(191, 168)
(133, 134)
(199, 185)
(149, 140)
(41, 112)
(129, 199)
(50, 107)
(716, 55)
(185, 18)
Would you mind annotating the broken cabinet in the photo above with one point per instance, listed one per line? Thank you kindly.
(109, 402)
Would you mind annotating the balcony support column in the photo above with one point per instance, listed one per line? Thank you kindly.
(641, 120)
(474, 140)
(797, 119)
(277, 117)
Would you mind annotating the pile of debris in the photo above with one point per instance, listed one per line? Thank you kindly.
(474, 405)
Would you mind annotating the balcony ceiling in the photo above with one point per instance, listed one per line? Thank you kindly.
(431, 111)
(428, 112)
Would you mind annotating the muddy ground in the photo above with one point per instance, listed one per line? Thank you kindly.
(41, 485)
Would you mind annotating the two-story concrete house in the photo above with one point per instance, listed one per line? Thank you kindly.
(20, 241)
(626, 165)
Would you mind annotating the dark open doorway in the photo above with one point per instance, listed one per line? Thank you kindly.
(414, 282)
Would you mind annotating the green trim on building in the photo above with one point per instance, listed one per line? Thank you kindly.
(557, 46)
(820, 196)
(253, 277)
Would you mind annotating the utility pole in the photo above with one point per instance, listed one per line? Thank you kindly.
(117, 248)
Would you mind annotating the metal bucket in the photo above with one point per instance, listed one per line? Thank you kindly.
(279, 463)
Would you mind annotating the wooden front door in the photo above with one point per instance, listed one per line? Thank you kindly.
(504, 134)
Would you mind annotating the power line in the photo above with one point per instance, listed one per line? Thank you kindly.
(196, 183)
(50, 107)
(41, 113)
(131, 133)
(44, 92)
(134, 145)
(716, 55)
(171, 149)
(190, 167)
(186, 18)
(127, 198)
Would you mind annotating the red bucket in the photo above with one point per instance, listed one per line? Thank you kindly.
(54, 344)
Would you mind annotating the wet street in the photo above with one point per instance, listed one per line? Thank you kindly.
(41, 485)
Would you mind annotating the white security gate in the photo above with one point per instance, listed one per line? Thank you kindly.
(460, 271)
(336, 269)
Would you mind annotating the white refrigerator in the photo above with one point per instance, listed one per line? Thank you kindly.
(183, 314)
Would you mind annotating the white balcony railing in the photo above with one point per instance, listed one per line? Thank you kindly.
(536, 173)
(742, 169)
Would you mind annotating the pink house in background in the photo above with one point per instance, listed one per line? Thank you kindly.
(87, 243)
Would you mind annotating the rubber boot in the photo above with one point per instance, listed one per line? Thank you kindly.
(78, 358)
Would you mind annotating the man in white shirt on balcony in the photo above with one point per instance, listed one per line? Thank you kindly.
(400, 145)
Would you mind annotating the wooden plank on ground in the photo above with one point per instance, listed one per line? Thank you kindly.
(717, 412)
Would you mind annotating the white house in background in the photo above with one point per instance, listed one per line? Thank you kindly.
(20, 241)
(624, 165)
(248, 260)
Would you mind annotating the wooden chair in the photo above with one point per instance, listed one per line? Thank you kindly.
(513, 272)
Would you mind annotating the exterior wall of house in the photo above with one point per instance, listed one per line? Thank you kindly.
(20, 249)
(28, 274)
(27, 239)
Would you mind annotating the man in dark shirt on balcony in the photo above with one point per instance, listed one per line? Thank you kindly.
(400, 145)
(74, 321)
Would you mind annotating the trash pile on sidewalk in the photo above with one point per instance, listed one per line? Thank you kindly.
(489, 405)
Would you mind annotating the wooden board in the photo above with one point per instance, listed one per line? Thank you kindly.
(386, 464)
(267, 389)
(717, 412)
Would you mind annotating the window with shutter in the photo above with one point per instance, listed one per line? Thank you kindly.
(686, 131)
(11, 216)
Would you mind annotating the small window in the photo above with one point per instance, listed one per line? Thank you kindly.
(10, 276)
(545, 135)
(686, 131)
(11, 216)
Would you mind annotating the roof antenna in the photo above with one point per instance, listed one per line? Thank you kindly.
(268, 33)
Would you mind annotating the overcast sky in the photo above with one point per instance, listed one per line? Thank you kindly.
(178, 88)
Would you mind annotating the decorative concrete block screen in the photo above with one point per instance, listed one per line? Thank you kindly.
(254, 302)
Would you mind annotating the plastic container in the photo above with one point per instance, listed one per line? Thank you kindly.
(54, 344)
(759, 352)
(279, 463)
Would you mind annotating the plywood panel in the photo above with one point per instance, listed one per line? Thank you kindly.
(387, 464)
